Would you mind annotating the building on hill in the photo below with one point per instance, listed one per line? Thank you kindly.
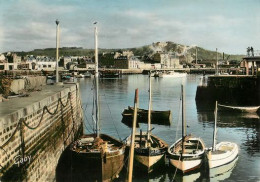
(167, 60)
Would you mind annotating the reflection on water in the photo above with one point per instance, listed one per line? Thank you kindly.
(222, 172)
(117, 94)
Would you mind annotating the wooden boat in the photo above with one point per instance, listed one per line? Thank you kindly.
(157, 117)
(172, 74)
(148, 155)
(187, 153)
(222, 153)
(102, 156)
(149, 149)
(250, 109)
(109, 74)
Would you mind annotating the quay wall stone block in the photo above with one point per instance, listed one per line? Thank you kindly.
(32, 138)
(27, 83)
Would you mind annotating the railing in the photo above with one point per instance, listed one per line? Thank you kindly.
(253, 53)
(257, 53)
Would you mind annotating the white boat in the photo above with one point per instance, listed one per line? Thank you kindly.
(222, 153)
(187, 153)
(98, 155)
(80, 76)
(87, 74)
(250, 109)
(149, 150)
(171, 74)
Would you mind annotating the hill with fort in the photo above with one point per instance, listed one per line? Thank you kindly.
(185, 53)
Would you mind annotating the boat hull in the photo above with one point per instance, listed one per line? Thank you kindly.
(187, 164)
(99, 165)
(172, 75)
(193, 156)
(225, 153)
(149, 158)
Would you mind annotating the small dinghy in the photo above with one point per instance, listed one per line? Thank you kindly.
(187, 153)
(222, 153)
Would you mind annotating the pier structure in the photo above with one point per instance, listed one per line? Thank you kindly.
(35, 130)
(253, 62)
(240, 90)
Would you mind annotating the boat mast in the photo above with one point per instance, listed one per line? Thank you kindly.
(131, 152)
(96, 80)
(149, 109)
(215, 127)
(183, 118)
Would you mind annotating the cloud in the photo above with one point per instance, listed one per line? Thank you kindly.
(30, 24)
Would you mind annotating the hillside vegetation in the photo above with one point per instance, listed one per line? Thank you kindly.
(186, 53)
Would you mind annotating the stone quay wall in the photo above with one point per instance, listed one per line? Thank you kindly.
(34, 132)
(234, 90)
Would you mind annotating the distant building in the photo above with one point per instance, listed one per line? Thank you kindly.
(125, 62)
(167, 60)
(64, 62)
(8, 66)
(2, 58)
(13, 58)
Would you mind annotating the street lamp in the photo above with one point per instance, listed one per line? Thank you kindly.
(57, 50)
(217, 62)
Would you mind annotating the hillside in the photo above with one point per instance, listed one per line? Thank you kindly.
(185, 53)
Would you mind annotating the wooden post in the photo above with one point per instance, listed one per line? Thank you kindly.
(247, 68)
(215, 127)
(183, 118)
(149, 109)
(253, 68)
(131, 153)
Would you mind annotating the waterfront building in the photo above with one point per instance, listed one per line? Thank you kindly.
(125, 62)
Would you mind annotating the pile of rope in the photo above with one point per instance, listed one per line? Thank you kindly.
(5, 84)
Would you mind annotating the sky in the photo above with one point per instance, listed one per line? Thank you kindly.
(229, 25)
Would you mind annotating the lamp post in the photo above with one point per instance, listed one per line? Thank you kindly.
(196, 55)
(57, 49)
(217, 62)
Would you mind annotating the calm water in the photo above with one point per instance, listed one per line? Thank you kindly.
(117, 94)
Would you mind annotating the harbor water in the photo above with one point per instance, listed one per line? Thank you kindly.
(118, 93)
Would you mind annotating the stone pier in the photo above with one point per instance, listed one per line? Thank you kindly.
(238, 90)
(35, 130)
